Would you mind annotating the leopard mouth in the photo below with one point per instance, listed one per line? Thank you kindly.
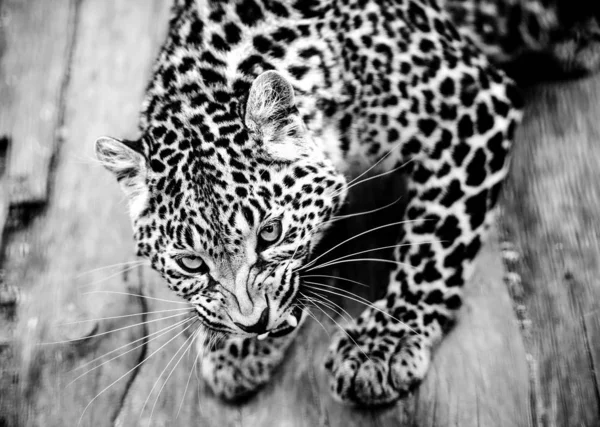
(287, 327)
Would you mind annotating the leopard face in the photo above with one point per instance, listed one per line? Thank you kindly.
(229, 218)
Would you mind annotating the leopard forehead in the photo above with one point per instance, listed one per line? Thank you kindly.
(210, 189)
(213, 205)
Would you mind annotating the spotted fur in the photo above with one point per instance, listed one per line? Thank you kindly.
(254, 116)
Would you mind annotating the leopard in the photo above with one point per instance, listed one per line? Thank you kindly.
(258, 117)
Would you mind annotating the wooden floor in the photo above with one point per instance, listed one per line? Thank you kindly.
(526, 351)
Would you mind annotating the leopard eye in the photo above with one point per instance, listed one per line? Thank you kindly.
(192, 264)
(271, 232)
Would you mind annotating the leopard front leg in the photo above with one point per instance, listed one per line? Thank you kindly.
(453, 186)
(236, 367)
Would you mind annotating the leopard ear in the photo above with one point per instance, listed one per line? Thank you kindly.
(272, 116)
(127, 161)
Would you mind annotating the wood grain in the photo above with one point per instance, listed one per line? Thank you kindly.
(4, 199)
(551, 215)
(38, 35)
(84, 226)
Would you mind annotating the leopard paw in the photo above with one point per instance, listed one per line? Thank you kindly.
(239, 366)
(377, 361)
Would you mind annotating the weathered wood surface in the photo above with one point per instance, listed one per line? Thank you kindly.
(4, 200)
(84, 226)
(552, 216)
(37, 36)
(484, 374)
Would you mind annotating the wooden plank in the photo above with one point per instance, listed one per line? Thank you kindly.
(8, 298)
(4, 200)
(551, 217)
(33, 73)
(53, 261)
(481, 371)
(591, 324)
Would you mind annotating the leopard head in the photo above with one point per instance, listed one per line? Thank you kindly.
(228, 211)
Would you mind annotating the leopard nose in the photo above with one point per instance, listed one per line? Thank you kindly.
(259, 327)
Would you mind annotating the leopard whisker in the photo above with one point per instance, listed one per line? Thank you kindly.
(345, 291)
(104, 279)
(162, 332)
(379, 175)
(310, 264)
(210, 340)
(317, 303)
(337, 278)
(342, 217)
(124, 316)
(306, 310)
(201, 353)
(145, 337)
(327, 263)
(325, 304)
(374, 165)
(129, 372)
(115, 330)
(106, 267)
(134, 295)
(201, 340)
(270, 164)
(388, 261)
(360, 300)
(332, 304)
(191, 341)
(219, 338)
(209, 343)
(343, 330)
(213, 340)
(316, 285)
(192, 369)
